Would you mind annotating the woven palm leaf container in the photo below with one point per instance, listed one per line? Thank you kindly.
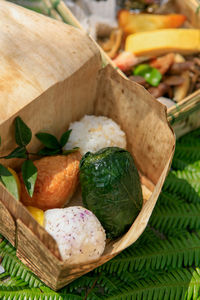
(51, 74)
(183, 116)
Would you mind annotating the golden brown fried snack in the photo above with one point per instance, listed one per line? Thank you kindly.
(56, 181)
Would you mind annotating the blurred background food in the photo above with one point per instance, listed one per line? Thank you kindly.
(149, 40)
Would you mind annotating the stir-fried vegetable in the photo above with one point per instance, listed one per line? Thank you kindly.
(151, 75)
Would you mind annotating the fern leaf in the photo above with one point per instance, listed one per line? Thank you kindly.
(188, 152)
(3, 276)
(148, 236)
(181, 188)
(192, 175)
(6, 247)
(115, 265)
(83, 283)
(19, 293)
(189, 140)
(169, 286)
(176, 233)
(94, 296)
(175, 253)
(167, 198)
(179, 164)
(16, 268)
(13, 282)
(185, 216)
(130, 277)
(109, 283)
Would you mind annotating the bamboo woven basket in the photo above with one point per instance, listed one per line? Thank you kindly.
(52, 74)
(184, 116)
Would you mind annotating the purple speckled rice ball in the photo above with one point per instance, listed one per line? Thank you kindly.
(78, 233)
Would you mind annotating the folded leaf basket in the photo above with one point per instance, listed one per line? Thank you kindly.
(51, 74)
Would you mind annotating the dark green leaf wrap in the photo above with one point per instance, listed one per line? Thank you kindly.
(111, 188)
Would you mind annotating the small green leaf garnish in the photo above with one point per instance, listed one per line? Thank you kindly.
(19, 152)
(49, 140)
(23, 137)
(49, 152)
(9, 181)
(29, 174)
(66, 152)
(23, 133)
(65, 137)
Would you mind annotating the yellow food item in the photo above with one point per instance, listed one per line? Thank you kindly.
(17, 180)
(37, 214)
(131, 22)
(158, 42)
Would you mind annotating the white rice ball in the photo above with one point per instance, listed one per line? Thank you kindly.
(93, 133)
(78, 233)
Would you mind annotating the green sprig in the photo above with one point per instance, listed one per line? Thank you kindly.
(23, 136)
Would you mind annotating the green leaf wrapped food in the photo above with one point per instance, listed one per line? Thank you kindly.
(111, 188)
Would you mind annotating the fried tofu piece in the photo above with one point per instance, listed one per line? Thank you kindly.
(56, 181)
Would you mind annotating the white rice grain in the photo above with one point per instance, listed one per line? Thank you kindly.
(93, 133)
(78, 233)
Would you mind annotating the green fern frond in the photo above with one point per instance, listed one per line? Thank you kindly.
(171, 233)
(93, 295)
(167, 198)
(174, 252)
(104, 285)
(177, 284)
(180, 187)
(129, 277)
(192, 175)
(4, 276)
(81, 283)
(12, 281)
(16, 268)
(185, 216)
(92, 280)
(65, 295)
(187, 154)
(109, 283)
(179, 164)
(188, 141)
(19, 293)
(6, 247)
(148, 236)
(123, 261)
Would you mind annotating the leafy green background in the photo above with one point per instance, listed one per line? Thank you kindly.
(163, 264)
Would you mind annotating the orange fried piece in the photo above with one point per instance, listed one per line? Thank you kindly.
(131, 23)
(56, 181)
(163, 63)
